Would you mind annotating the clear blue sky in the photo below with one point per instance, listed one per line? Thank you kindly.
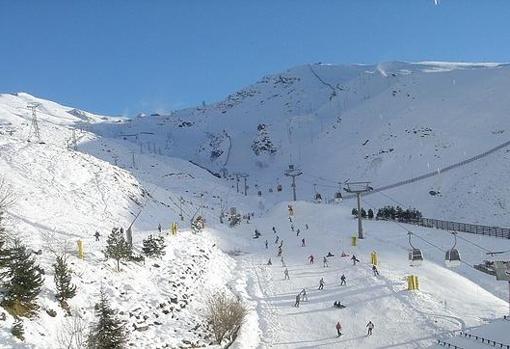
(125, 56)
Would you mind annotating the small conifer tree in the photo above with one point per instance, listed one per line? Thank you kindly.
(22, 280)
(65, 289)
(108, 331)
(17, 330)
(117, 247)
(154, 246)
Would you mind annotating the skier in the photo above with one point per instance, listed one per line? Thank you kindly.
(306, 226)
(303, 242)
(374, 269)
(338, 329)
(266, 244)
(277, 238)
(97, 235)
(257, 234)
(298, 298)
(339, 305)
(279, 252)
(291, 210)
(311, 259)
(286, 274)
(330, 254)
(281, 244)
(304, 295)
(298, 232)
(269, 261)
(274, 230)
(159, 227)
(354, 260)
(325, 262)
(292, 227)
(321, 284)
(342, 280)
(370, 327)
(283, 262)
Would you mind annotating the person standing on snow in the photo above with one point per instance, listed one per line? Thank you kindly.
(306, 226)
(354, 260)
(298, 298)
(370, 327)
(338, 329)
(298, 232)
(342, 280)
(283, 262)
(274, 230)
(311, 259)
(325, 262)
(97, 235)
(303, 242)
(304, 295)
(280, 251)
(269, 261)
(375, 271)
(292, 227)
(277, 238)
(159, 227)
(286, 274)
(266, 244)
(321, 284)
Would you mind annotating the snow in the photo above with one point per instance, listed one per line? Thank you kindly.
(334, 122)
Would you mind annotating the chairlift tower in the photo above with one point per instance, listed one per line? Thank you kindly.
(34, 126)
(358, 188)
(293, 172)
(245, 177)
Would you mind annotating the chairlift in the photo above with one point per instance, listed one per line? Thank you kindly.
(338, 197)
(452, 258)
(415, 254)
(279, 188)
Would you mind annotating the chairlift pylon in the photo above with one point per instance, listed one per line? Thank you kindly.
(415, 254)
(452, 258)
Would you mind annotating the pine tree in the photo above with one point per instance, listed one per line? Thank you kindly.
(108, 332)
(17, 330)
(65, 289)
(154, 246)
(354, 212)
(117, 247)
(370, 213)
(22, 280)
(4, 251)
(363, 213)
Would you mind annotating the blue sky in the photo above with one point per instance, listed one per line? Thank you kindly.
(125, 56)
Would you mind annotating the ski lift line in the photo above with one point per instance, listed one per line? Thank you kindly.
(424, 240)
(437, 171)
(458, 236)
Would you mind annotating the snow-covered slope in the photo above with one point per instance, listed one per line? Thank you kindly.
(383, 123)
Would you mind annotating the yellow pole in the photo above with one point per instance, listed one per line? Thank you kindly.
(416, 283)
(80, 249)
(354, 240)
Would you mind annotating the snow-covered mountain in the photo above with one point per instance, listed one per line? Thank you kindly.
(384, 123)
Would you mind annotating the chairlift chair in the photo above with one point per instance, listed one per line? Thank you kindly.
(338, 197)
(415, 254)
(452, 258)
(318, 198)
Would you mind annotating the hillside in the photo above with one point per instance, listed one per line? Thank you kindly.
(383, 123)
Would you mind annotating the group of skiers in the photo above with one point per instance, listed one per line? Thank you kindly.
(302, 295)
(370, 327)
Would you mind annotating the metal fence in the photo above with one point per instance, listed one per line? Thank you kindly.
(462, 227)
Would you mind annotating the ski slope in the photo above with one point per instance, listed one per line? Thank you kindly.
(336, 123)
(449, 300)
